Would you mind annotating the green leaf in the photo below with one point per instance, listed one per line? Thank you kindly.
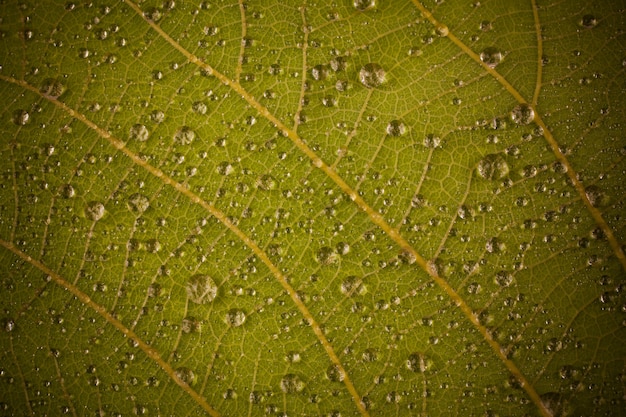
(349, 208)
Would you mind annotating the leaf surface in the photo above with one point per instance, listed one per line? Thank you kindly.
(357, 208)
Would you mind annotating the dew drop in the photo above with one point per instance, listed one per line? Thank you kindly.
(266, 183)
(235, 317)
(329, 101)
(68, 191)
(334, 373)
(94, 210)
(338, 63)
(556, 404)
(157, 116)
(492, 167)
(370, 355)
(139, 132)
(353, 285)
(319, 72)
(201, 289)
(503, 279)
(186, 375)
(395, 128)
(596, 196)
(417, 362)
(199, 107)
(372, 75)
(225, 168)
(491, 56)
(9, 325)
(522, 114)
(191, 324)
(363, 5)
(588, 21)
(326, 256)
(52, 88)
(184, 136)
(20, 117)
(138, 203)
(291, 384)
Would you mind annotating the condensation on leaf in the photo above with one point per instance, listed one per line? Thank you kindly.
(184, 135)
(20, 117)
(556, 404)
(138, 203)
(372, 75)
(492, 167)
(94, 210)
(491, 56)
(52, 88)
(139, 133)
(522, 114)
(363, 5)
(291, 384)
(418, 362)
(186, 375)
(596, 196)
(352, 286)
(396, 128)
(201, 289)
(235, 317)
(326, 255)
(334, 373)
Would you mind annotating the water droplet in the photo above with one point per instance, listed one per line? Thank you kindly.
(522, 114)
(9, 325)
(363, 5)
(52, 88)
(338, 63)
(225, 168)
(326, 255)
(396, 128)
(353, 285)
(588, 21)
(266, 183)
(486, 26)
(191, 324)
(491, 56)
(372, 75)
(329, 101)
(20, 117)
(417, 362)
(319, 72)
(154, 14)
(94, 210)
(335, 373)
(201, 289)
(139, 132)
(370, 355)
(157, 116)
(494, 245)
(432, 141)
(235, 317)
(503, 279)
(492, 167)
(138, 203)
(291, 383)
(556, 404)
(293, 356)
(199, 107)
(596, 196)
(68, 191)
(442, 30)
(184, 136)
(186, 375)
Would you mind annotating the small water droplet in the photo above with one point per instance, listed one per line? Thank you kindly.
(556, 404)
(199, 107)
(353, 285)
(372, 75)
(417, 362)
(157, 116)
(293, 356)
(94, 210)
(395, 128)
(184, 136)
(486, 26)
(266, 183)
(20, 117)
(522, 114)
(319, 72)
(186, 375)
(225, 168)
(9, 325)
(363, 5)
(201, 289)
(492, 167)
(139, 132)
(138, 203)
(291, 383)
(596, 196)
(329, 101)
(235, 317)
(338, 63)
(52, 88)
(491, 56)
(442, 30)
(191, 324)
(68, 191)
(334, 373)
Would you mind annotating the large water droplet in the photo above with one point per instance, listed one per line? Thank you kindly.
(20, 117)
(139, 132)
(235, 317)
(492, 167)
(94, 210)
(184, 136)
(491, 56)
(588, 21)
(556, 404)
(596, 196)
(353, 285)
(396, 128)
(291, 383)
(335, 373)
(138, 203)
(266, 183)
(191, 324)
(503, 279)
(417, 362)
(372, 75)
(186, 375)
(363, 5)
(522, 114)
(326, 255)
(201, 289)
(319, 72)
(52, 88)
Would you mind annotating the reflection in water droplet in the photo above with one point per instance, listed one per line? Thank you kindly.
(199, 107)
(491, 56)
(235, 317)
(20, 117)
(522, 114)
(596, 196)
(335, 373)
(492, 167)
(139, 132)
(588, 21)
(372, 75)
(319, 72)
(94, 210)
(184, 136)
(266, 183)
(352, 286)
(395, 128)
(191, 324)
(68, 191)
(186, 375)
(201, 289)
(52, 88)
(503, 279)
(417, 362)
(363, 5)
(291, 384)
(326, 255)
(138, 203)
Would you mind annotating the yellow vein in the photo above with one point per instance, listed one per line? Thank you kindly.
(240, 58)
(539, 53)
(571, 173)
(182, 189)
(19, 371)
(86, 300)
